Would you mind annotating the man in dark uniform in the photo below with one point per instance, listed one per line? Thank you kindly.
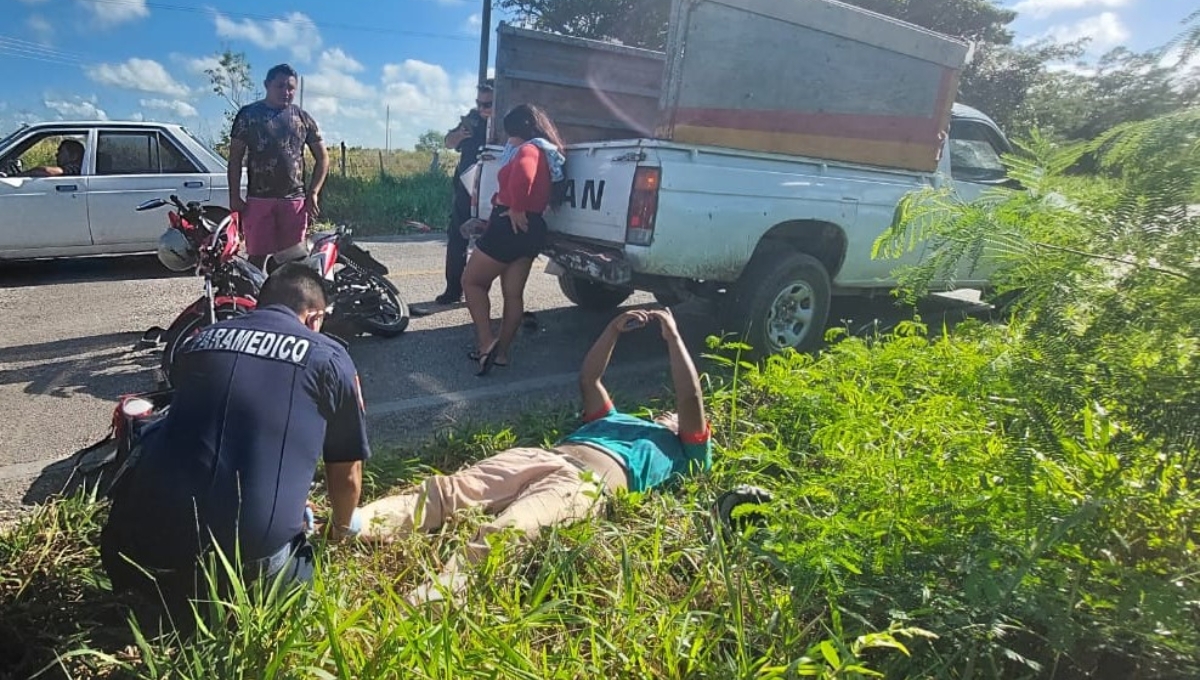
(260, 399)
(468, 138)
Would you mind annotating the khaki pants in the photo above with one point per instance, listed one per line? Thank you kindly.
(524, 488)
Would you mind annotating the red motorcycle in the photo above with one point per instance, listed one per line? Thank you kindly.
(206, 239)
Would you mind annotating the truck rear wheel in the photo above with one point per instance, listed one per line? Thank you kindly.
(593, 295)
(782, 301)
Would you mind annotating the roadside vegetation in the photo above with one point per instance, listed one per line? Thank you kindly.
(1007, 499)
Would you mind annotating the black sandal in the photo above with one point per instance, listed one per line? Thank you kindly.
(475, 355)
(487, 360)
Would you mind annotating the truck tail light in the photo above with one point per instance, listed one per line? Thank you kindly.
(643, 206)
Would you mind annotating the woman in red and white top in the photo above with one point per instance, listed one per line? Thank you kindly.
(532, 161)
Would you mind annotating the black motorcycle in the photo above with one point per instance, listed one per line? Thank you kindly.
(361, 296)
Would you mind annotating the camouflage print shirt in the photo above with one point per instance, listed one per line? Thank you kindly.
(275, 140)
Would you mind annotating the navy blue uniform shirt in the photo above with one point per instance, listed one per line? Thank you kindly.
(259, 399)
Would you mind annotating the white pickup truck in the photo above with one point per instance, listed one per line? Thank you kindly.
(770, 236)
(92, 212)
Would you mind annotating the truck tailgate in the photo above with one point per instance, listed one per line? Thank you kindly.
(599, 182)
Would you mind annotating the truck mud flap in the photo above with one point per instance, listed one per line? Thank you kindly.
(607, 265)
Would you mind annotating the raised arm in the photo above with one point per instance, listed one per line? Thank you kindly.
(689, 399)
(591, 373)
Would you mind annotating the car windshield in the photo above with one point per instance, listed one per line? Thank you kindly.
(14, 133)
(216, 157)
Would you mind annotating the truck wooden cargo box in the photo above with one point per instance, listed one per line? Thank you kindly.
(812, 78)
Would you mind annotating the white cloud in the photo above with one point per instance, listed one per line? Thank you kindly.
(295, 32)
(113, 12)
(1102, 31)
(42, 30)
(1185, 72)
(138, 116)
(144, 75)
(474, 23)
(181, 109)
(1042, 8)
(197, 65)
(332, 90)
(1079, 69)
(76, 108)
(337, 60)
(422, 97)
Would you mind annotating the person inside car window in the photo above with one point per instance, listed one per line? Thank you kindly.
(69, 159)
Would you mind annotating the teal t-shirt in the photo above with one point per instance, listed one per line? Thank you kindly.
(652, 453)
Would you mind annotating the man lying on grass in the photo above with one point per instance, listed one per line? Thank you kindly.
(531, 488)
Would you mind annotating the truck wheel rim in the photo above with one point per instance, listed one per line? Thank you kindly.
(790, 317)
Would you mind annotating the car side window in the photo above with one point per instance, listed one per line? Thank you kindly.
(42, 151)
(139, 153)
(975, 153)
(174, 162)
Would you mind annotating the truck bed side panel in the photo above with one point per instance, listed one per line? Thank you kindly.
(823, 79)
(594, 91)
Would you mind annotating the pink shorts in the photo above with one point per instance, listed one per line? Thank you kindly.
(273, 224)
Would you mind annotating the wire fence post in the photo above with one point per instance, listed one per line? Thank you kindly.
(343, 158)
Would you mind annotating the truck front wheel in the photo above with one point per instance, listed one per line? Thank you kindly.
(592, 295)
(782, 301)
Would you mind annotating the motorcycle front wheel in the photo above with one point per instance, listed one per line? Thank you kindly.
(391, 317)
(184, 328)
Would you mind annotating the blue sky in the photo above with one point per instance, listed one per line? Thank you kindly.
(131, 59)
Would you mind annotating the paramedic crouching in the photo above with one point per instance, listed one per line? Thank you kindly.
(260, 399)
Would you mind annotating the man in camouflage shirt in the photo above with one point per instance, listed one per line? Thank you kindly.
(270, 135)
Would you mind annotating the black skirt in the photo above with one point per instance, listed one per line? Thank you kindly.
(502, 244)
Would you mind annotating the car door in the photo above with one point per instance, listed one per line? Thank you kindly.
(133, 166)
(40, 214)
(975, 166)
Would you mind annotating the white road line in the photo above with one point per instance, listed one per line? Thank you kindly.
(527, 386)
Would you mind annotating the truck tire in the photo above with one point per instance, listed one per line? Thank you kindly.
(592, 295)
(782, 301)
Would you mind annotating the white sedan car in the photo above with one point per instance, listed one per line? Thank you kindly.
(91, 211)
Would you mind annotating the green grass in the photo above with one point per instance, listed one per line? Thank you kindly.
(916, 533)
(380, 192)
(383, 204)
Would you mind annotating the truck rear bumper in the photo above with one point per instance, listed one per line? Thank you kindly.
(599, 263)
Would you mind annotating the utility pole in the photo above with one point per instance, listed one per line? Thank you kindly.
(387, 130)
(485, 35)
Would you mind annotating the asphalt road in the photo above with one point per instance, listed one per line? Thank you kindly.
(68, 328)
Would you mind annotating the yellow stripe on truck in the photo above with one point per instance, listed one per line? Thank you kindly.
(891, 154)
